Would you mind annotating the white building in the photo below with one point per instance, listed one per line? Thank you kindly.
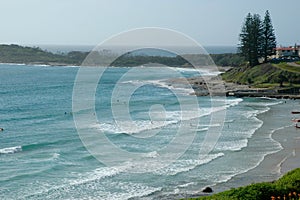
(290, 51)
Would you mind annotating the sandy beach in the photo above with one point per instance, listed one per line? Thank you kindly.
(278, 126)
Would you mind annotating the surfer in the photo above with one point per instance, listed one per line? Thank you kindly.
(1, 129)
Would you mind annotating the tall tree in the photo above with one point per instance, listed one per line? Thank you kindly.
(269, 39)
(256, 39)
(251, 39)
(245, 38)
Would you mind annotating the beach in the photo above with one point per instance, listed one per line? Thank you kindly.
(278, 126)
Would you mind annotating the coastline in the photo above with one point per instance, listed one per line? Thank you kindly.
(41, 64)
(280, 129)
(279, 162)
(276, 164)
(215, 85)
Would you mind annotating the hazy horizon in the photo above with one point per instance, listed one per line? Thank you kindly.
(89, 22)
(212, 49)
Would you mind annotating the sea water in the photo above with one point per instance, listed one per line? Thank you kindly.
(42, 156)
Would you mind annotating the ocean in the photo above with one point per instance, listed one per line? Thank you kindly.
(42, 155)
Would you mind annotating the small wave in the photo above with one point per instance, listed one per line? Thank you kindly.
(172, 117)
(232, 145)
(233, 102)
(180, 166)
(254, 113)
(266, 98)
(228, 101)
(10, 150)
(265, 101)
(202, 71)
(98, 174)
(131, 127)
(186, 185)
(30, 147)
(55, 156)
(180, 88)
(210, 125)
(153, 154)
(92, 190)
(229, 121)
(202, 129)
(183, 88)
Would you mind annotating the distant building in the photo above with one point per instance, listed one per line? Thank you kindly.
(291, 51)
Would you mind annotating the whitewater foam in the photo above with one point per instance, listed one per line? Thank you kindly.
(98, 174)
(138, 126)
(180, 166)
(11, 150)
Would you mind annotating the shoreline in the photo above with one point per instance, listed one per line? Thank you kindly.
(274, 165)
(277, 128)
(41, 64)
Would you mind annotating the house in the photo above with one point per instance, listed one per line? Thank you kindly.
(291, 51)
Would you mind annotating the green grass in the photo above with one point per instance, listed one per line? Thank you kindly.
(268, 85)
(287, 67)
(298, 62)
(288, 184)
(265, 75)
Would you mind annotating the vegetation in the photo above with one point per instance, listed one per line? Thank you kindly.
(265, 74)
(268, 37)
(257, 38)
(287, 67)
(19, 54)
(137, 60)
(35, 55)
(287, 187)
(228, 59)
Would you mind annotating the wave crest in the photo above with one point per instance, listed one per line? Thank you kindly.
(10, 150)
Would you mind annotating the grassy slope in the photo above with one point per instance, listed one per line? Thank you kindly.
(263, 75)
(288, 184)
(287, 67)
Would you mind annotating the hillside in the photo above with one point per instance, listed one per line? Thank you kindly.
(34, 55)
(265, 75)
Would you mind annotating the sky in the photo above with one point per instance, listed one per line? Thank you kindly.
(89, 22)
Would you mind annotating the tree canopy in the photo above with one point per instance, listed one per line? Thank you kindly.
(257, 38)
(269, 39)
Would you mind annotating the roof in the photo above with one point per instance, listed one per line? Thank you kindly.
(285, 48)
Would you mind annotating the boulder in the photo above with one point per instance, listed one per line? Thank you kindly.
(207, 190)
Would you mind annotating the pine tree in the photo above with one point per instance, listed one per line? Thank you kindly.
(245, 38)
(269, 39)
(256, 39)
(251, 39)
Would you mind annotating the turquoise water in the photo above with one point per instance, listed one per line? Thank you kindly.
(42, 156)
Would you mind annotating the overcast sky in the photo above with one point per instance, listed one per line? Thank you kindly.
(88, 22)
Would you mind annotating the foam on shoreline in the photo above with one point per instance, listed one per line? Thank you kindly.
(276, 164)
